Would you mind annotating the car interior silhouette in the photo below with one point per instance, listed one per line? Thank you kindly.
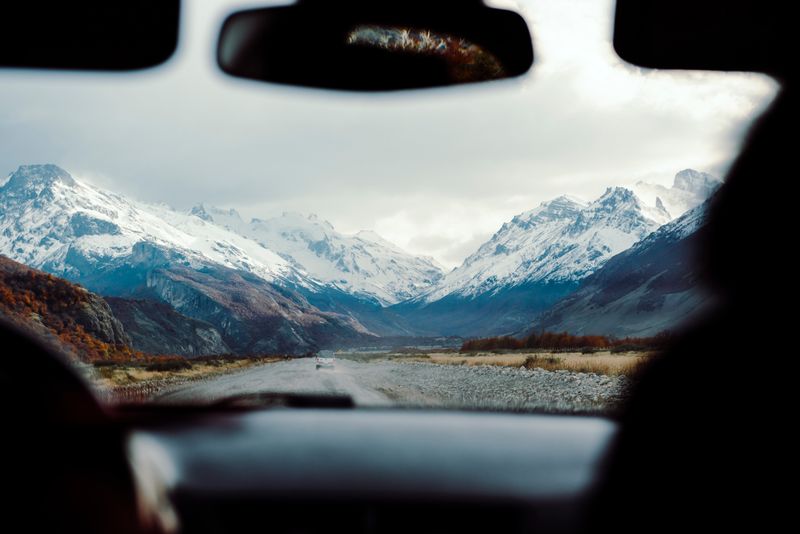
(689, 452)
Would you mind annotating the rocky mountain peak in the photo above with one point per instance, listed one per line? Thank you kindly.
(225, 217)
(560, 208)
(696, 182)
(660, 204)
(618, 207)
(314, 218)
(616, 196)
(33, 179)
(201, 212)
(689, 189)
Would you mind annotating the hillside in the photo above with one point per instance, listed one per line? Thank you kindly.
(364, 265)
(119, 247)
(533, 261)
(652, 287)
(78, 321)
(156, 328)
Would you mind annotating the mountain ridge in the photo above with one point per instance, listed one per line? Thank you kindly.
(689, 189)
(652, 287)
(300, 284)
(52, 221)
(365, 265)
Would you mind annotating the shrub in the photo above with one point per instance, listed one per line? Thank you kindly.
(491, 343)
(169, 365)
(627, 347)
(565, 342)
(104, 363)
(542, 362)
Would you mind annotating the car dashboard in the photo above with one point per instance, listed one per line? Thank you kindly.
(287, 470)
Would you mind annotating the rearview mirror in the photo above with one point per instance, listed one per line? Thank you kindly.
(375, 46)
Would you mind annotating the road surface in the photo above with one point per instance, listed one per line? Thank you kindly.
(290, 376)
(387, 382)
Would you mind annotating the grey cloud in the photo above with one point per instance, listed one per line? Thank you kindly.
(184, 134)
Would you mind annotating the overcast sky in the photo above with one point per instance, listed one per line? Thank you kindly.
(436, 171)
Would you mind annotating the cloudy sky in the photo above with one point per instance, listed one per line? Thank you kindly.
(435, 171)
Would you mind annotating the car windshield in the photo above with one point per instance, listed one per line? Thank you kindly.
(523, 244)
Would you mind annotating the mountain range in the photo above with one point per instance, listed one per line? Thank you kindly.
(643, 290)
(532, 262)
(293, 283)
(364, 265)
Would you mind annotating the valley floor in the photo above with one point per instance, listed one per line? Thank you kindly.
(380, 381)
(600, 362)
(141, 381)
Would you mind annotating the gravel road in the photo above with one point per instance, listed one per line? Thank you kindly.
(386, 383)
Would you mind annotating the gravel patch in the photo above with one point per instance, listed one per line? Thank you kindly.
(386, 383)
(496, 387)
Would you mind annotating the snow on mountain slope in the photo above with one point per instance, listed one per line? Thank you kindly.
(47, 216)
(248, 293)
(562, 240)
(364, 264)
(652, 287)
(229, 218)
(689, 189)
(51, 220)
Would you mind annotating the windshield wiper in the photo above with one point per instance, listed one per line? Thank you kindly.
(284, 400)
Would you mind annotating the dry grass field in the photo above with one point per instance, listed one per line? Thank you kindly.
(138, 382)
(603, 362)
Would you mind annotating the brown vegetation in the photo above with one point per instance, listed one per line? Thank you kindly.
(565, 341)
(628, 364)
(45, 304)
(49, 308)
(141, 381)
(601, 362)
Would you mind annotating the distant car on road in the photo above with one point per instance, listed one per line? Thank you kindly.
(325, 359)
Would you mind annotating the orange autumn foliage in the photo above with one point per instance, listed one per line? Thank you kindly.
(47, 305)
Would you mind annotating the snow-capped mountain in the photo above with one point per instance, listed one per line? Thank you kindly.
(562, 240)
(52, 221)
(539, 257)
(690, 188)
(292, 282)
(118, 247)
(652, 287)
(365, 264)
